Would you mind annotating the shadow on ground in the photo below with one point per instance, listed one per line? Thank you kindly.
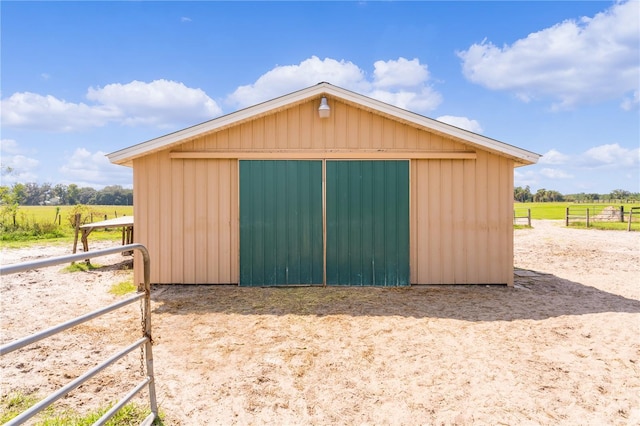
(535, 296)
(125, 265)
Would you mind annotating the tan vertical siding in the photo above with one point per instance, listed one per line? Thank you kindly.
(186, 215)
(461, 228)
(176, 206)
(435, 222)
(153, 212)
(140, 206)
(222, 213)
(459, 257)
(470, 220)
(201, 225)
(188, 221)
(165, 222)
(482, 217)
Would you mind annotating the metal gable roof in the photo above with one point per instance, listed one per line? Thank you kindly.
(126, 155)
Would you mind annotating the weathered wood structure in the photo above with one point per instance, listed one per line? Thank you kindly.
(124, 222)
(373, 194)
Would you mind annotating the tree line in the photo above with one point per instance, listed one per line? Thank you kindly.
(33, 194)
(525, 195)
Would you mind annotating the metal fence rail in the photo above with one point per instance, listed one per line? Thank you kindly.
(144, 342)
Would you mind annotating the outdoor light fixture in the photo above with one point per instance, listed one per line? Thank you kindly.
(323, 109)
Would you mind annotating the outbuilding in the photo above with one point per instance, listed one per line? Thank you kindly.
(325, 186)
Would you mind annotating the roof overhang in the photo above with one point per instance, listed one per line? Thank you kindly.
(126, 156)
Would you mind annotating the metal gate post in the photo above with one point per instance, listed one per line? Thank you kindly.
(148, 351)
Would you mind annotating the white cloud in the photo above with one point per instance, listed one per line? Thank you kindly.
(461, 122)
(16, 167)
(93, 169)
(607, 155)
(554, 157)
(422, 100)
(288, 78)
(555, 174)
(576, 61)
(632, 102)
(9, 146)
(400, 73)
(161, 103)
(34, 111)
(526, 177)
(610, 155)
(592, 170)
(185, 19)
(412, 92)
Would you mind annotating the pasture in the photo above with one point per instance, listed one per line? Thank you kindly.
(50, 213)
(557, 211)
(55, 223)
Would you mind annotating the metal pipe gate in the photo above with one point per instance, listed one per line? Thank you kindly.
(144, 342)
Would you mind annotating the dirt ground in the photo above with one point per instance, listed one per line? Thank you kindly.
(562, 346)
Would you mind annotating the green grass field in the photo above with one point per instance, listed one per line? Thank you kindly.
(54, 224)
(557, 210)
(48, 213)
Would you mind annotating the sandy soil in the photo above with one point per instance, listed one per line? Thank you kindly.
(562, 346)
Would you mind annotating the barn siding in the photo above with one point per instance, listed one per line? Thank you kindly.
(190, 212)
(461, 221)
(460, 225)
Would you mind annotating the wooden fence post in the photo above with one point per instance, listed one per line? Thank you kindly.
(629, 224)
(622, 214)
(529, 217)
(566, 217)
(77, 228)
(587, 217)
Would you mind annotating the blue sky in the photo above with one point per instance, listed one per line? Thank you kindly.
(83, 79)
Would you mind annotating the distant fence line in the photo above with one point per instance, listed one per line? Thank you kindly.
(519, 216)
(100, 216)
(590, 215)
(92, 217)
(607, 201)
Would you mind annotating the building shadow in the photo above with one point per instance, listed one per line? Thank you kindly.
(535, 296)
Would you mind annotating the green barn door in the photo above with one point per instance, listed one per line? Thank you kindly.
(367, 218)
(281, 223)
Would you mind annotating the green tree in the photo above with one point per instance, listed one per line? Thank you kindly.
(73, 194)
(9, 203)
(87, 195)
(554, 196)
(619, 194)
(522, 194)
(20, 193)
(60, 191)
